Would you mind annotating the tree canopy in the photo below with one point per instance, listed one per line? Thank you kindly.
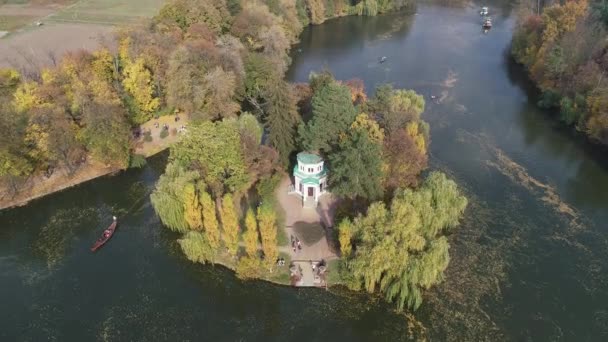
(564, 50)
(402, 250)
(333, 113)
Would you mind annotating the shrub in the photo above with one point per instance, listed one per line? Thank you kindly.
(249, 268)
(148, 136)
(164, 133)
(137, 161)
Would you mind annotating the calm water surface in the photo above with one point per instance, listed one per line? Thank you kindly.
(528, 263)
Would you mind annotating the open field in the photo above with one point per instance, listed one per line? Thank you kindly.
(109, 12)
(68, 25)
(32, 49)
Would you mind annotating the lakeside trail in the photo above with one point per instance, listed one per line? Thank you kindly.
(39, 185)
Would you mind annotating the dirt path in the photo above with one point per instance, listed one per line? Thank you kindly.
(294, 212)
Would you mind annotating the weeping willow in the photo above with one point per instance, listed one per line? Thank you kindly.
(196, 247)
(168, 198)
(401, 251)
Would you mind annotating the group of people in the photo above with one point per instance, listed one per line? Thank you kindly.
(281, 261)
(165, 126)
(296, 245)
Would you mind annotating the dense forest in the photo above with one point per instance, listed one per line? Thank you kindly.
(203, 58)
(565, 51)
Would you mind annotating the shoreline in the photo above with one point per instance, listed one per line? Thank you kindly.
(38, 186)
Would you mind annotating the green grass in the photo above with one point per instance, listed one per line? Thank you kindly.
(281, 274)
(333, 272)
(111, 12)
(13, 22)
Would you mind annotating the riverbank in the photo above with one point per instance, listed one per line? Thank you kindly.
(39, 185)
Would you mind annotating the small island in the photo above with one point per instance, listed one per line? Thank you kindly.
(353, 211)
(312, 184)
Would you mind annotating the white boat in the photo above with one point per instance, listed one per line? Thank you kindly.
(487, 23)
(484, 11)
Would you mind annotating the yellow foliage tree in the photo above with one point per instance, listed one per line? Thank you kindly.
(103, 64)
(250, 236)
(192, 209)
(249, 268)
(138, 82)
(212, 228)
(413, 130)
(345, 233)
(38, 138)
(9, 79)
(230, 223)
(317, 11)
(365, 123)
(268, 232)
(25, 97)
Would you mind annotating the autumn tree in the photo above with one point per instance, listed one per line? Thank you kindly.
(393, 108)
(261, 160)
(404, 160)
(106, 133)
(230, 224)
(138, 82)
(192, 209)
(345, 234)
(268, 233)
(250, 236)
(13, 150)
(214, 98)
(185, 13)
(316, 9)
(212, 227)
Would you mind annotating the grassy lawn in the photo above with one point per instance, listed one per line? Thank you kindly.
(281, 274)
(333, 275)
(13, 22)
(109, 11)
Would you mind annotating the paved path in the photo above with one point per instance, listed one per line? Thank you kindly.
(294, 212)
(308, 278)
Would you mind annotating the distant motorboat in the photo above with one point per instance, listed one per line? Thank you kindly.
(484, 11)
(487, 23)
(383, 59)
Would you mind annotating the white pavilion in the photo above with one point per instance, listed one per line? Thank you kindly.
(310, 178)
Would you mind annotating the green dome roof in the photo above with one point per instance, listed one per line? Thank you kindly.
(309, 158)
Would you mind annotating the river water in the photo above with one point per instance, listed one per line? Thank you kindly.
(528, 262)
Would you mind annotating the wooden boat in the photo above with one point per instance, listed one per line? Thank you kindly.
(107, 234)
